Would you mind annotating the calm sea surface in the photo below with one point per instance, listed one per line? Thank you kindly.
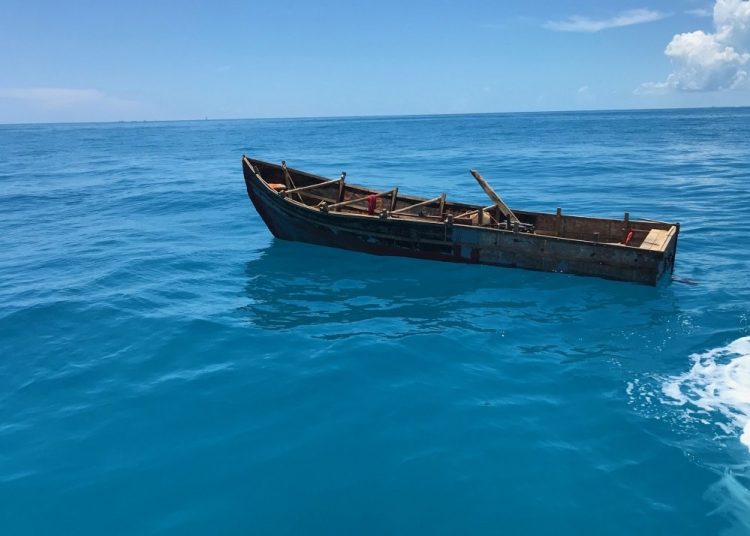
(167, 367)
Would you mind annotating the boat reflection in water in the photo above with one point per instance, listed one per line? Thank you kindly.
(337, 293)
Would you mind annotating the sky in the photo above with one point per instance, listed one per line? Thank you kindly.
(150, 60)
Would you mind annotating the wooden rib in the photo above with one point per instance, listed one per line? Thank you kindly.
(290, 186)
(394, 199)
(342, 187)
(287, 176)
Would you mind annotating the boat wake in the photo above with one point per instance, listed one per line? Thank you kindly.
(714, 395)
(716, 389)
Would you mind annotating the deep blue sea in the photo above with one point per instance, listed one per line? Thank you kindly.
(168, 367)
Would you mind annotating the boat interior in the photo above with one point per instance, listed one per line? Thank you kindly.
(338, 196)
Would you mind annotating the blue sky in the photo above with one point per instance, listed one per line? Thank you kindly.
(139, 60)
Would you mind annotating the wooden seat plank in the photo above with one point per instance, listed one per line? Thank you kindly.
(655, 239)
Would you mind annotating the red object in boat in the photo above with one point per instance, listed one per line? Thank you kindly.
(629, 237)
(372, 201)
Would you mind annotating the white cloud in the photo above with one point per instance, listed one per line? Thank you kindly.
(583, 89)
(700, 12)
(710, 61)
(579, 23)
(58, 97)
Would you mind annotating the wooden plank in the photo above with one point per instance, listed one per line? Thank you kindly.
(316, 196)
(482, 217)
(655, 239)
(472, 212)
(499, 203)
(359, 199)
(417, 205)
(311, 186)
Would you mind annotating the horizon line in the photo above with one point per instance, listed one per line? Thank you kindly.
(373, 116)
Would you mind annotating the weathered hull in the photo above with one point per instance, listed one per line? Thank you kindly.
(444, 241)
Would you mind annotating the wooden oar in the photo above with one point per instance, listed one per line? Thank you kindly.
(499, 203)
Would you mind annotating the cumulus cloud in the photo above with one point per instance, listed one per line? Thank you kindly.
(58, 97)
(713, 61)
(578, 23)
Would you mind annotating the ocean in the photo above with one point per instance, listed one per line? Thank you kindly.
(168, 367)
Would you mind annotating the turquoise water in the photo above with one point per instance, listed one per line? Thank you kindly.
(167, 367)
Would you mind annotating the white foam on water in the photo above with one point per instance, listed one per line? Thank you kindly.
(717, 384)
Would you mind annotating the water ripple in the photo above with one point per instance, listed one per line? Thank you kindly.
(170, 365)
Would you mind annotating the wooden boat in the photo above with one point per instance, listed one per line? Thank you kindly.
(308, 208)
